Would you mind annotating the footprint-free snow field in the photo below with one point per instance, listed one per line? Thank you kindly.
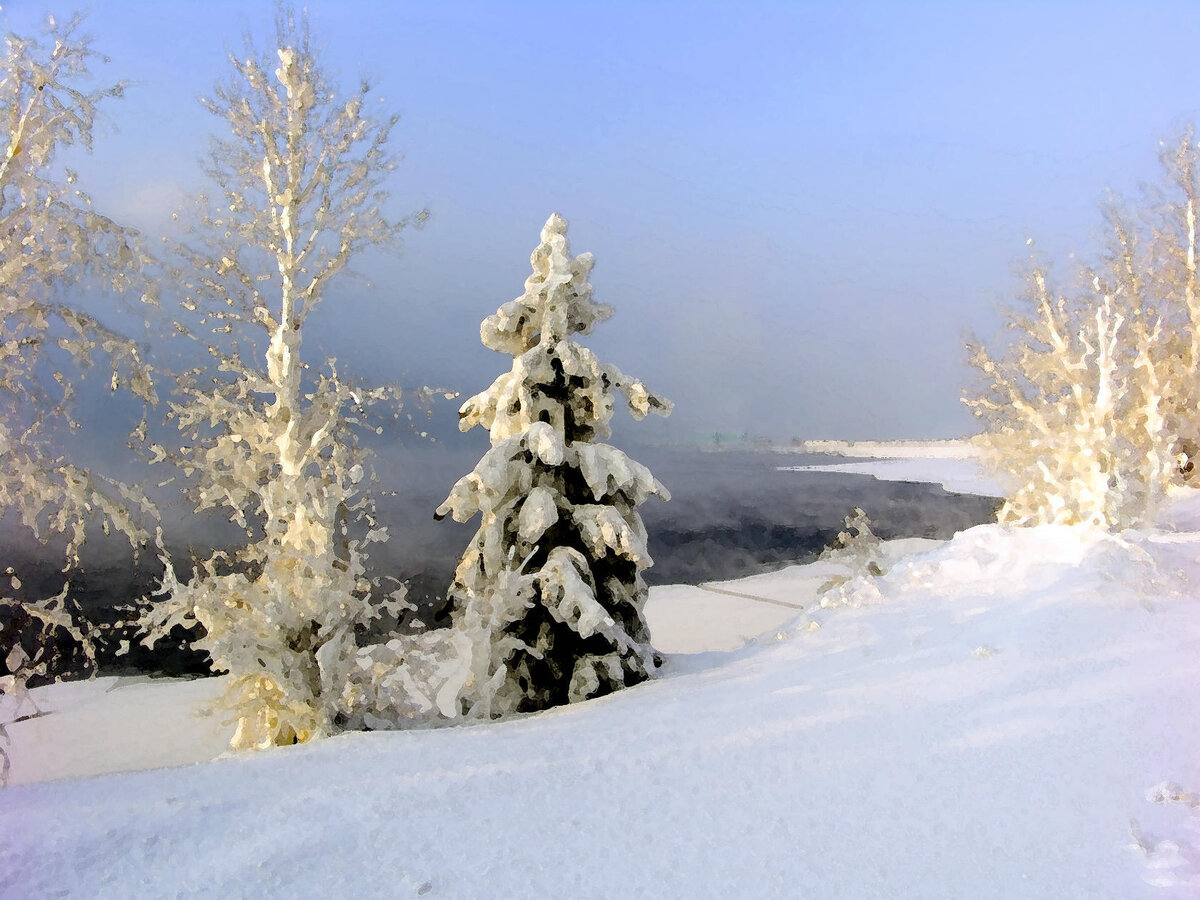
(984, 720)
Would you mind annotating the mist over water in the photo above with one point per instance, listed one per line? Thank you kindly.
(732, 513)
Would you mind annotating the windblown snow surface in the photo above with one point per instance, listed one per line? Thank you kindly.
(990, 718)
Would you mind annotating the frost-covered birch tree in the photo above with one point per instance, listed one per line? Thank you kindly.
(1091, 411)
(52, 240)
(550, 588)
(300, 192)
(1167, 262)
(1074, 408)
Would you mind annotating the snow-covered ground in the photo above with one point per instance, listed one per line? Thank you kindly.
(952, 464)
(984, 720)
(959, 476)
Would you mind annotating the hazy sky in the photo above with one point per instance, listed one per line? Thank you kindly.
(799, 210)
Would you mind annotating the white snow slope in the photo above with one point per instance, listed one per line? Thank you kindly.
(984, 720)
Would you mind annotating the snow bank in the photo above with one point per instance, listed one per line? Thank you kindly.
(114, 725)
(957, 475)
(984, 720)
(725, 615)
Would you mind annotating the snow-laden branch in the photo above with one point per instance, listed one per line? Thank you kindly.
(52, 238)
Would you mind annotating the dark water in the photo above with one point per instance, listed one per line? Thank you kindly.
(732, 513)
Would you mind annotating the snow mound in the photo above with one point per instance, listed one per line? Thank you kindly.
(115, 725)
(983, 720)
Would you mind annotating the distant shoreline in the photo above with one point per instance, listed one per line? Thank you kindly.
(957, 448)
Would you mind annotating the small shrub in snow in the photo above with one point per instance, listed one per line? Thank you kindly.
(858, 549)
(51, 237)
(858, 546)
(413, 677)
(300, 183)
(550, 590)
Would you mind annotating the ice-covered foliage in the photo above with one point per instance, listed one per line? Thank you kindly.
(299, 193)
(549, 589)
(1167, 260)
(51, 238)
(1074, 411)
(1090, 412)
(859, 548)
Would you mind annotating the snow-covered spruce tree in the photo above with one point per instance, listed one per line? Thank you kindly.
(52, 240)
(549, 589)
(300, 193)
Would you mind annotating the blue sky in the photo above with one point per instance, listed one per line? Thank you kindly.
(799, 210)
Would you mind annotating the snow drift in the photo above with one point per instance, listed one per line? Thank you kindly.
(984, 720)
